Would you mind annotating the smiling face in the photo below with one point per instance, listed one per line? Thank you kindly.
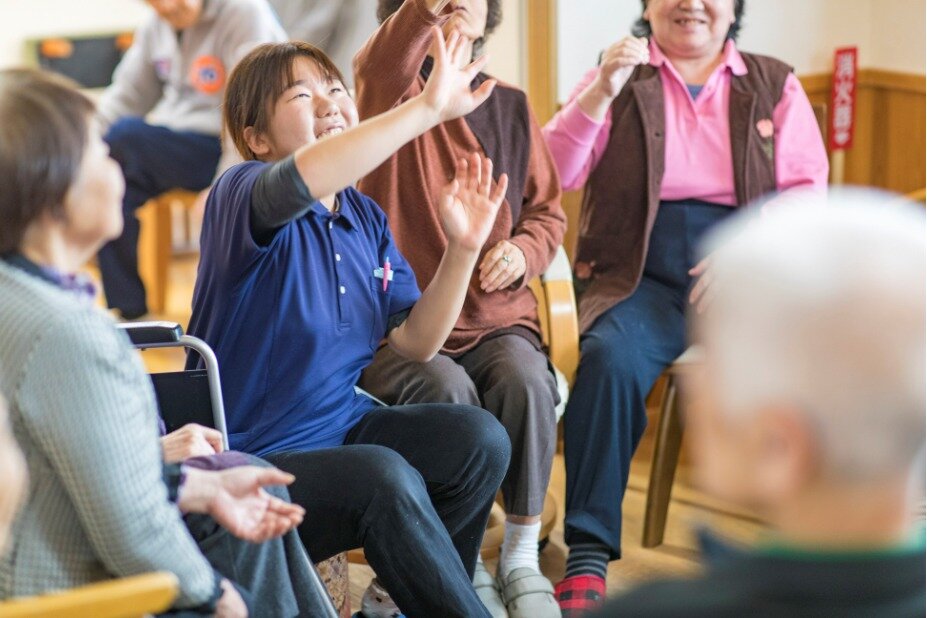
(468, 18)
(312, 107)
(690, 29)
(180, 14)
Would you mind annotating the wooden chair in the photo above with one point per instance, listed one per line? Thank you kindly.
(129, 597)
(667, 443)
(669, 427)
(155, 243)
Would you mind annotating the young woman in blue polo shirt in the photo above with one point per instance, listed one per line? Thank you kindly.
(298, 283)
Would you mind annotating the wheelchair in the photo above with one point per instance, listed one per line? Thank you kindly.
(194, 396)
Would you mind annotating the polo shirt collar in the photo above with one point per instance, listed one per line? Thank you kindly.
(345, 210)
(730, 58)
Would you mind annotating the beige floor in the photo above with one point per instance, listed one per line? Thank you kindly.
(689, 508)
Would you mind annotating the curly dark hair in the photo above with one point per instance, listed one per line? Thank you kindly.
(385, 8)
(642, 27)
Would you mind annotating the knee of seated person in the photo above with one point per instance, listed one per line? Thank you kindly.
(478, 431)
(531, 381)
(447, 387)
(607, 355)
(389, 471)
(124, 135)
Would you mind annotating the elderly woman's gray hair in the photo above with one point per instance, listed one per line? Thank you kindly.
(819, 304)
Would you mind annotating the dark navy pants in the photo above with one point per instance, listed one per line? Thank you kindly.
(153, 160)
(621, 356)
(413, 485)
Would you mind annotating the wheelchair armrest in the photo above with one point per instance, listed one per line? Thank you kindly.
(148, 333)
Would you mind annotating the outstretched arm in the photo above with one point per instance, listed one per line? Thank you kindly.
(332, 164)
(468, 209)
(389, 62)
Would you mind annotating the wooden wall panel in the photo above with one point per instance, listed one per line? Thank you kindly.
(542, 58)
(889, 145)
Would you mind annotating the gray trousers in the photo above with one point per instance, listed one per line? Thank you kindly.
(275, 573)
(505, 375)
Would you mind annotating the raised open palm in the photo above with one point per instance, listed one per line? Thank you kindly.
(469, 204)
(448, 88)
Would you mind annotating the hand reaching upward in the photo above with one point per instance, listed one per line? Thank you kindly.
(447, 91)
(469, 205)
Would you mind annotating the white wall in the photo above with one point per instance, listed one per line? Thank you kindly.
(804, 33)
(506, 46)
(25, 19)
(898, 39)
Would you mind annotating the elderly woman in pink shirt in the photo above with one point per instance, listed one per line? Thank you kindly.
(672, 132)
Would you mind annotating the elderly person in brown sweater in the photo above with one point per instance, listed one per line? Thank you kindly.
(494, 356)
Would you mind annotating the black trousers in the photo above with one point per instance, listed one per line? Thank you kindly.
(412, 485)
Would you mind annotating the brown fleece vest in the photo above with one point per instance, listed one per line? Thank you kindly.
(623, 192)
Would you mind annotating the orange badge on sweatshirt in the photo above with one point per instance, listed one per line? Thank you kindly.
(207, 74)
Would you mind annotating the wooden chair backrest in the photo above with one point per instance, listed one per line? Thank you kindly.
(129, 597)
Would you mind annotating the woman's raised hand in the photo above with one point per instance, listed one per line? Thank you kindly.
(469, 205)
(448, 90)
(618, 61)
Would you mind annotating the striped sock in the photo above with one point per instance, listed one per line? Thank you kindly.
(588, 556)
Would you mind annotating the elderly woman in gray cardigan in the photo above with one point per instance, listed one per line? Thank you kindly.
(100, 497)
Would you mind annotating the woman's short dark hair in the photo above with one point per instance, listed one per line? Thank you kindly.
(385, 8)
(257, 82)
(44, 128)
(642, 27)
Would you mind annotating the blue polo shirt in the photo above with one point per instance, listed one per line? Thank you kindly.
(295, 322)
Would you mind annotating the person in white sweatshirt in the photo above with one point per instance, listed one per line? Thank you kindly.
(338, 27)
(162, 114)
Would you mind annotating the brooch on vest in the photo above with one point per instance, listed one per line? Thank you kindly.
(766, 130)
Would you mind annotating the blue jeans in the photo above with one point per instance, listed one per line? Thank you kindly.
(621, 356)
(413, 486)
(153, 160)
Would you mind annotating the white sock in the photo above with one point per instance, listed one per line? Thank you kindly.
(520, 547)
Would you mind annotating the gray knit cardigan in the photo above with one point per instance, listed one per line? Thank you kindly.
(84, 413)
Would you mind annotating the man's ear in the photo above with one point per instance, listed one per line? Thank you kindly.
(257, 142)
(787, 451)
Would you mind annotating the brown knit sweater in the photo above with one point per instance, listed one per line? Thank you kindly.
(388, 71)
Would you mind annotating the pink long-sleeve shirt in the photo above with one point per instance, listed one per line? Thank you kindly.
(698, 160)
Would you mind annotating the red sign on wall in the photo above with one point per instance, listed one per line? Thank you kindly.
(843, 99)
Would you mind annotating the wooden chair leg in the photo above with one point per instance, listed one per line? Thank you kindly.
(663, 466)
(154, 250)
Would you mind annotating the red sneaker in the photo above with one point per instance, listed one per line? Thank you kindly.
(579, 595)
